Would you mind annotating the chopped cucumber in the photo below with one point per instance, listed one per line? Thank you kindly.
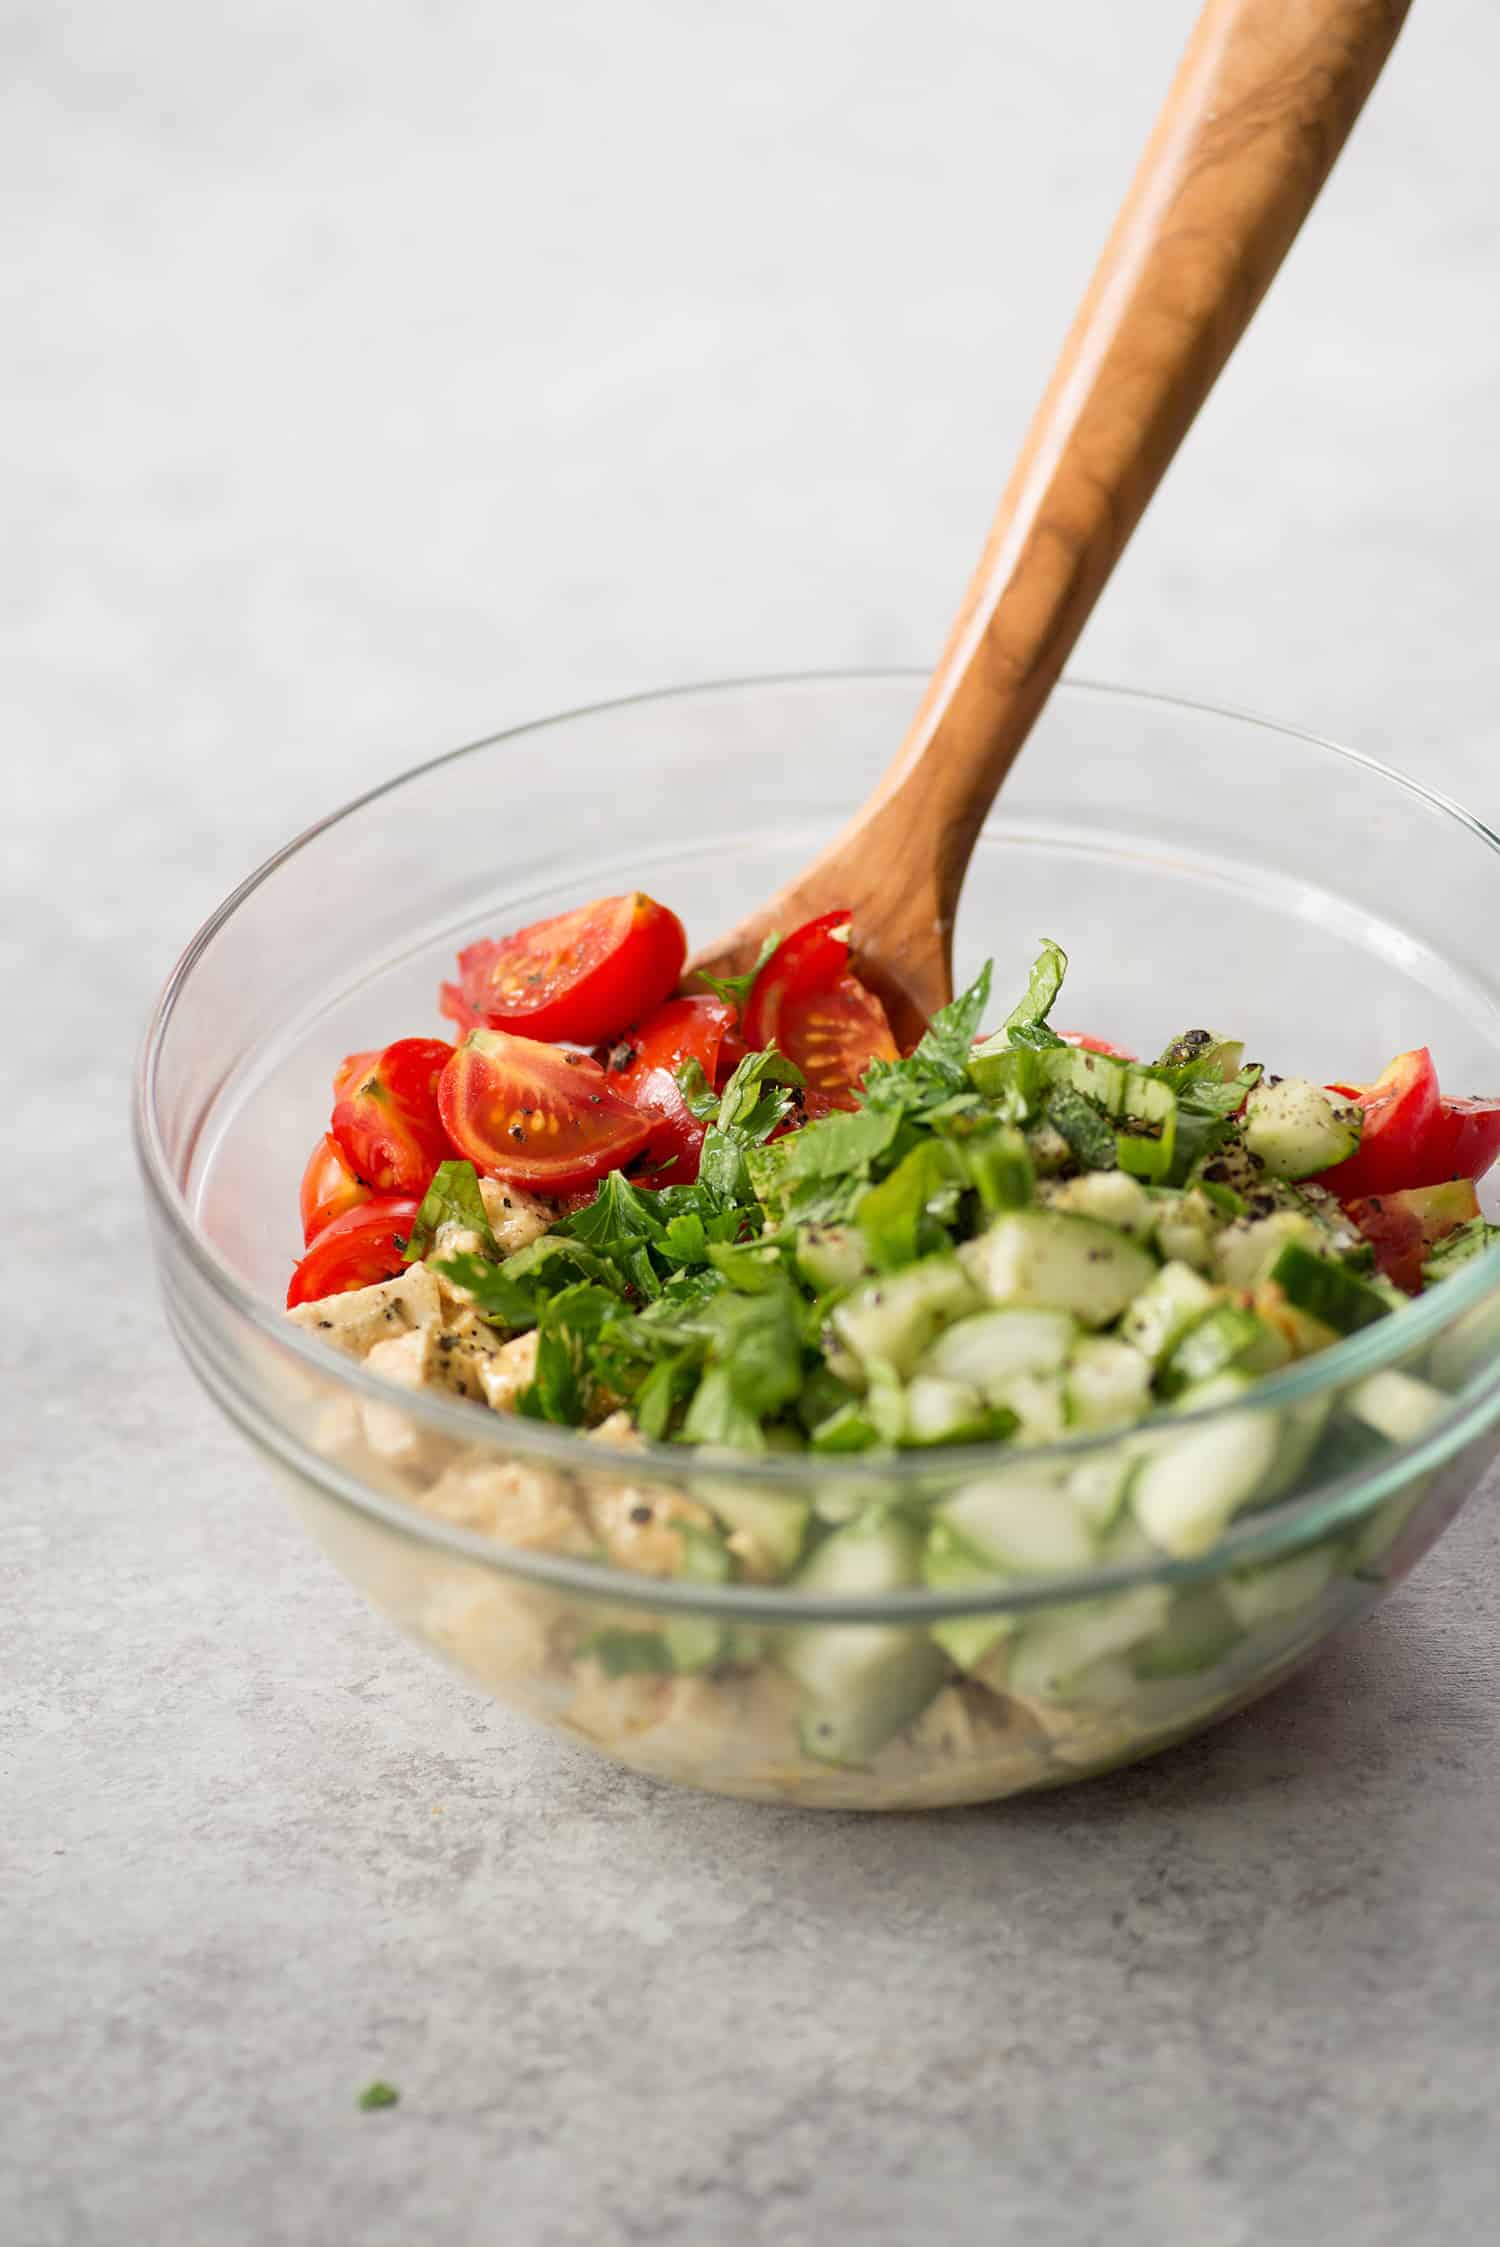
(1297, 1129)
(1328, 1292)
(1049, 1260)
(1110, 1196)
(850, 1428)
(1037, 1403)
(1167, 1305)
(1466, 1347)
(1227, 1338)
(943, 1411)
(863, 1682)
(1100, 1077)
(696, 1642)
(1209, 1055)
(1099, 1485)
(1198, 1632)
(830, 1256)
(998, 1165)
(1263, 1595)
(992, 1346)
(1054, 1649)
(892, 1320)
(1107, 1384)
(950, 1564)
(1187, 1225)
(1246, 1251)
(1302, 1427)
(1147, 1135)
(1190, 1486)
(1019, 1523)
(1396, 1405)
(769, 1526)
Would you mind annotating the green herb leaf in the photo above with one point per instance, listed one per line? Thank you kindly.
(737, 988)
(906, 1215)
(698, 1094)
(615, 1222)
(376, 2095)
(453, 1198)
(1046, 980)
(754, 1368)
(938, 1070)
(567, 1329)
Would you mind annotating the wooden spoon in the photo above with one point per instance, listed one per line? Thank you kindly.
(1260, 106)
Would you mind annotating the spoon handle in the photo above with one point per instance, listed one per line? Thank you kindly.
(1259, 109)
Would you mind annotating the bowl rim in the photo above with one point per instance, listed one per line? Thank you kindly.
(888, 1476)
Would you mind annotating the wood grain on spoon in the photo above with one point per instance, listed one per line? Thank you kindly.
(1260, 106)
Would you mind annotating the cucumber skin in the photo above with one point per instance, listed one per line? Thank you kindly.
(1297, 1129)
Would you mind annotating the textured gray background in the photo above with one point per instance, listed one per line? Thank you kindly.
(374, 376)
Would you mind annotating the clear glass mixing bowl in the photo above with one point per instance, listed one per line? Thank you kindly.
(1199, 866)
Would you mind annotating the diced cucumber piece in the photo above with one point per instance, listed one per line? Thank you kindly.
(863, 1682)
(1210, 1056)
(1263, 1595)
(998, 1164)
(950, 1564)
(850, 1428)
(1297, 1129)
(1099, 1485)
(696, 1642)
(1146, 1130)
(769, 1526)
(1328, 1292)
(1302, 1426)
(1396, 1405)
(1037, 1402)
(942, 1411)
(1046, 1259)
(1466, 1347)
(1100, 1077)
(1227, 1338)
(830, 1256)
(1198, 1632)
(1110, 1196)
(1107, 1385)
(1190, 1486)
(1049, 1152)
(1246, 1251)
(1167, 1305)
(892, 1320)
(1052, 1650)
(1187, 1225)
(992, 1346)
(1019, 1523)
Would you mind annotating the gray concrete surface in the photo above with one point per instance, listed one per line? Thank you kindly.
(374, 376)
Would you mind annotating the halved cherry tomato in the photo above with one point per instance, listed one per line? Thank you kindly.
(644, 1069)
(1401, 1108)
(1403, 1228)
(386, 1117)
(456, 1008)
(584, 976)
(329, 1187)
(366, 1244)
(352, 1068)
(1464, 1142)
(806, 1002)
(545, 1119)
(1096, 1045)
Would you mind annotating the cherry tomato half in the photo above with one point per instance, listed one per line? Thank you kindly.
(1404, 1228)
(385, 1116)
(547, 1120)
(329, 1187)
(1401, 1108)
(806, 1002)
(1082, 1039)
(644, 1069)
(583, 976)
(366, 1244)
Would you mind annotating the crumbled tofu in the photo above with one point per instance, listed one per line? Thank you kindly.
(451, 1356)
(508, 1372)
(355, 1322)
(516, 1218)
(638, 1524)
(619, 1429)
(513, 1502)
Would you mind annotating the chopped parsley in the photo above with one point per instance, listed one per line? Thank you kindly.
(376, 2095)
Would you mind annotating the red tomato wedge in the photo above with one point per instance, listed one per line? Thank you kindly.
(644, 1069)
(544, 1119)
(1404, 1228)
(366, 1244)
(584, 976)
(385, 1116)
(1096, 1045)
(352, 1067)
(1401, 1108)
(806, 1002)
(1464, 1142)
(329, 1187)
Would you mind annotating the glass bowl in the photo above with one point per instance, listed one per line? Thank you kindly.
(1200, 867)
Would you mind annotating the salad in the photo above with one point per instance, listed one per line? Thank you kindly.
(737, 1218)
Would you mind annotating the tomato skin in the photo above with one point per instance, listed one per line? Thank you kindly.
(1401, 1108)
(352, 1068)
(455, 1008)
(366, 1244)
(1403, 1228)
(807, 1002)
(689, 1029)
(329, 1187)
(1464, 1142)
(1082, 1039)
(386, 1118)
(584, 976)
(546, 1120)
